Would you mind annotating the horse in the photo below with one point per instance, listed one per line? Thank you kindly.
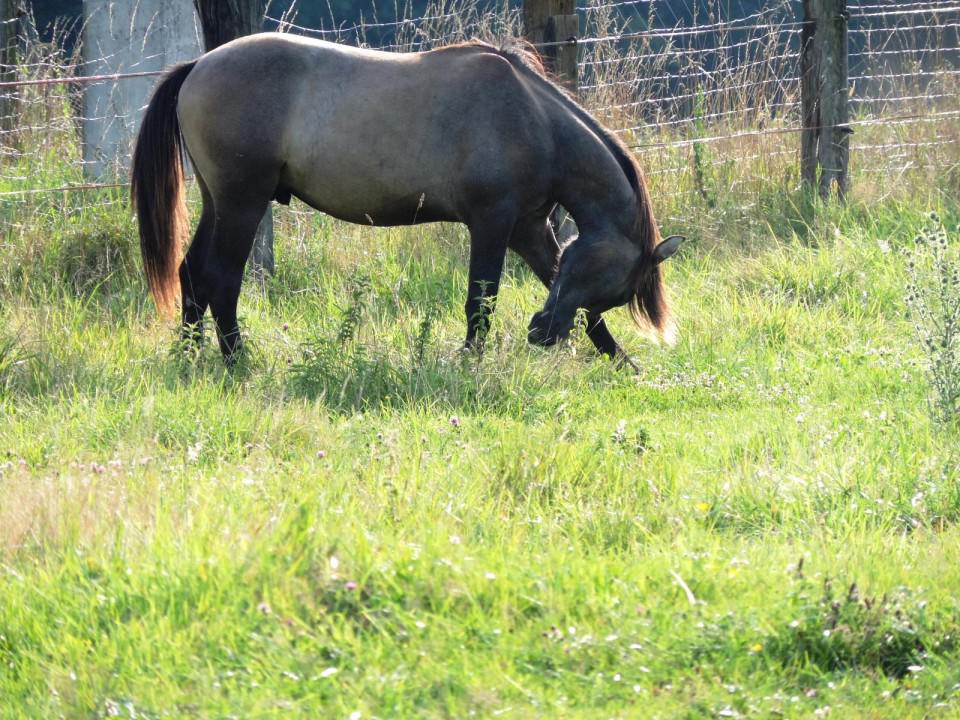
(467, 133)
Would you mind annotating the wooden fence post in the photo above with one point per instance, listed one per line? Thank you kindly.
(825, 138)
(563, 58)
(554, 21)
(11, 12)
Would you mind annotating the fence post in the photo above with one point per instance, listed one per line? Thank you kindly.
(808, 95)
(825, 138)
(117, 37)
(10, 13)
(834, 149)
(562, 59)
(554, 21)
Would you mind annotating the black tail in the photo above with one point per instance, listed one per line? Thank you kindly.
(156, 186)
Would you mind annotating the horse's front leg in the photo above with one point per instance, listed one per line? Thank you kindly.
(603, 341)
(489, 237)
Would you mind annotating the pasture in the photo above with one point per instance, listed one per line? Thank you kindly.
(362, 522)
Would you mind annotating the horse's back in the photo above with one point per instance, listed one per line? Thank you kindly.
(365, 135)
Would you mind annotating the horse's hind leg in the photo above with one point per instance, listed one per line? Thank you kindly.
(230, 244)
(536, 243)
(193, 284)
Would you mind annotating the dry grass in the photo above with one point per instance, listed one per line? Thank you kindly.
(78, 505)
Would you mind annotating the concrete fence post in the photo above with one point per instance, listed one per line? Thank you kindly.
(127, 37)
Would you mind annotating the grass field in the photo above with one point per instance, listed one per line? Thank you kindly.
(361, 522)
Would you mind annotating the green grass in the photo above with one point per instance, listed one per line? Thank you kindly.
(386, 527)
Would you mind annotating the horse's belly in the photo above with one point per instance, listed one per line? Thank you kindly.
(408, 211)
(377, 197)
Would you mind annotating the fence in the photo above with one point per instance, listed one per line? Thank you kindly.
(712, 105)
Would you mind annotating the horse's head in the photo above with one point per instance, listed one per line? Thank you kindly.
(602, 274)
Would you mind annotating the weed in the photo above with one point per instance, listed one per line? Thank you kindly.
(339, 368)
(12, 358)
(933, 301)
(700, 154)
(360, 288)
(838, 630)
(424, 335)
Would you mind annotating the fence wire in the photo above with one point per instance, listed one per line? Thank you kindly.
(709, 103)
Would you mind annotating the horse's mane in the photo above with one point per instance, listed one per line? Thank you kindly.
(648, 305)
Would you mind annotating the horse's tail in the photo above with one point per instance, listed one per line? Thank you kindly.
(156, 187)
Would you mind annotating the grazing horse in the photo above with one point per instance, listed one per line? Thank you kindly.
(467, 133)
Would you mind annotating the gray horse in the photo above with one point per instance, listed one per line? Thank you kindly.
(467, 133)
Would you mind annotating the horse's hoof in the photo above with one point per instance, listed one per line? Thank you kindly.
(232, 356)
(621, 361)
(472, 348)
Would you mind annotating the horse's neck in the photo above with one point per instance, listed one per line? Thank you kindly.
(589, 181)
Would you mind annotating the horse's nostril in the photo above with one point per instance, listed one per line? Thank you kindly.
(537, 336)
(536, 333)
(536, 320)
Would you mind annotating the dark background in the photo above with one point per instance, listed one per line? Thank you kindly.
(329, 14)
(333, 13)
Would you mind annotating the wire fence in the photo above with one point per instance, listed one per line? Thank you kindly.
(710, 104)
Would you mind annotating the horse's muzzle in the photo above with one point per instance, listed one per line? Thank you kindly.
(542, 331)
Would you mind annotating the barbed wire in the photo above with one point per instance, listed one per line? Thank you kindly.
(903, 5)
(902, 29)
(905, 119)
(664, 34)
(607, 6)
(81, 80)
(899, 51)
(64, 188)
(700, 56)
(619, 60)
(890, 13)
(682, 53)
(361, 26)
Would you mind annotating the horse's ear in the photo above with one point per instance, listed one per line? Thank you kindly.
(667, 248)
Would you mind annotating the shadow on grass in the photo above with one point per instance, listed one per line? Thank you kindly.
(336, 366)
(354, 377)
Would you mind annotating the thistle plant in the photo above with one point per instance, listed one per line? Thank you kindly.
(933, 302)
